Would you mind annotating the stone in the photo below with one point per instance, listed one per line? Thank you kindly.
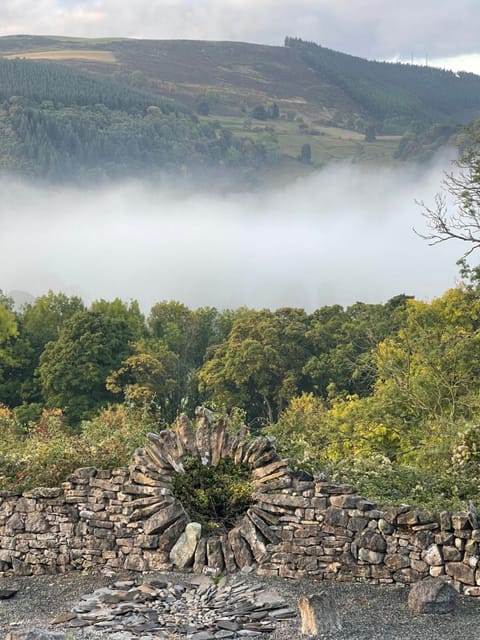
(433, 556)
(370, 557)
(432, 595)
(391, 514)
(406, 576)
(461, 572)
(461, 520)
(6, 594)
(228, 555)
(167, 441)
(21, 568)
(158, 522)
(200, 559)
(202, 434)
(188, 608)
(352, 501)
(62, 618)
(171, 534)
(372, 540)
(385, 527)
(218, 441)
(43, 492)
(215, 558)
(263, 527)
(319, 615)
(336, 517)
(241, 550)
(15, 524)
(183, 551)
(254, 539)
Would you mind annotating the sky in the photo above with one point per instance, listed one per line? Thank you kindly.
(442, 32)
(339, 236)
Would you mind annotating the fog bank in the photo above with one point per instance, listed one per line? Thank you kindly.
(342, 235)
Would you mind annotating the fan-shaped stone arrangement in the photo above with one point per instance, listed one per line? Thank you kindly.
(161, 609)
(163, 515)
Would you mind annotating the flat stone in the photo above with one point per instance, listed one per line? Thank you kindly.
(6, 594)
(163, 519)
(62, 618)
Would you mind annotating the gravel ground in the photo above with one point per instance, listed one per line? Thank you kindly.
(362, 611)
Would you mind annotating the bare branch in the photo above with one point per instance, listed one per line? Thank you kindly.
(463, 189)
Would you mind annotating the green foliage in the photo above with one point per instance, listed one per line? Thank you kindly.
(306, 153)
(259, 366)
(216, 497)
(60, 124)
(49, 450)
(399, 93)
(8, 330)
(389, 483)
(392, 386)
(74, 368)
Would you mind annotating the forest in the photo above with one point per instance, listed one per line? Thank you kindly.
(60, 124)
(394, 95)
(385, 395)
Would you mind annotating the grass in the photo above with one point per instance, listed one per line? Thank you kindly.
(66, 54)
(330, 143)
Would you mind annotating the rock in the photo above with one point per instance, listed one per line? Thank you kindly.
(373, 541)
(214, 555)
(433, 556)
(319, 615)
(370, 557)
(197, 609)
(241, 550)
(432, 595)
(461, 572)
(36, 523)
(21, 568)
(6, 594)
(63, 617)
(396, 561)
(164, 518)
(183, 550)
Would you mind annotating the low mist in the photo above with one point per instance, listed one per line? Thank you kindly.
(339, 236)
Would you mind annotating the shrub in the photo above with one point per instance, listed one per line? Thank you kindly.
(216, 497)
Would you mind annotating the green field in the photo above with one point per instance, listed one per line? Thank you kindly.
(327, 143)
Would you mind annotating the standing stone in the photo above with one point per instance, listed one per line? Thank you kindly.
(432, 595)
(319, 615)
(215, 559)
(218, 441)
(183, 550)
(202, 436)
(200, 559)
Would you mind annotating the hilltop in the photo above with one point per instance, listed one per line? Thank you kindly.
(226, 104)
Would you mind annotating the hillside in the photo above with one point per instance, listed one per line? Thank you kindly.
(226, 104)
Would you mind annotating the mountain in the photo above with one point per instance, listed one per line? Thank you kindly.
(114, 107)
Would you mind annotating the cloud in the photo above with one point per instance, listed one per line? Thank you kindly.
(342, 235)
(378, 29)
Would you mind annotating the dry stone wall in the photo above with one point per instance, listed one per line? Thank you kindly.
(297, 526)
